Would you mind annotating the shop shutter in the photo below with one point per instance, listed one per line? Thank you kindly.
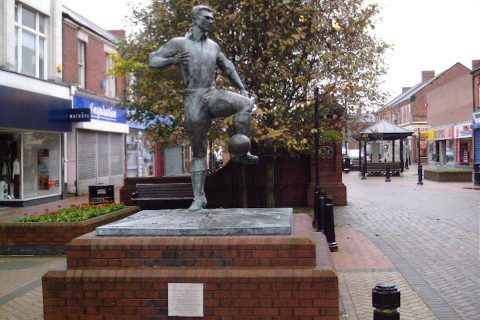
(86, 155)
(173, 161)
(476, 146)
(117, 154)
(100, 159)
(102, 152)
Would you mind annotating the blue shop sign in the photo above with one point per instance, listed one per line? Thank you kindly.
(100, 110)
(33, 111)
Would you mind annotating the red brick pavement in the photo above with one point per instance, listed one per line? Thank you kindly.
(358, 252)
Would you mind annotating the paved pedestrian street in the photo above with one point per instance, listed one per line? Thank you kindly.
(21, 287)
(428, 232)
(424, 239)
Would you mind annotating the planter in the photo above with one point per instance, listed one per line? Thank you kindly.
(448, 176)
(51, 237)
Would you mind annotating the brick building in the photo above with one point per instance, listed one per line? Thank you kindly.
(475, 126)
(95, 148)
(449, 115)
(34, 102)
(438, 107)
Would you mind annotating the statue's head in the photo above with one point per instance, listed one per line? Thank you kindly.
(202, 17)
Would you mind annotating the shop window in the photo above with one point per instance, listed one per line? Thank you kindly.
(450, 151)
(139, 154)
(41, 164)
(10, 166)
(31, 41)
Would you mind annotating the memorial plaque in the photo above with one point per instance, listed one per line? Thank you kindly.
(185, 299)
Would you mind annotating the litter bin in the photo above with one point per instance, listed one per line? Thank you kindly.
(101, 193)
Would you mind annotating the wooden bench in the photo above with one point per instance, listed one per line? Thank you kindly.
(162, 195)
(380, 168)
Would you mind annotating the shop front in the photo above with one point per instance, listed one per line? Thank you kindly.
(32, 127)
(139, 152)
(96, 147)
(441, 145)
(463, 144)
(476, 151)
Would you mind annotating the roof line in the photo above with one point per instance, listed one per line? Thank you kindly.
(416, 88)
(78, 18)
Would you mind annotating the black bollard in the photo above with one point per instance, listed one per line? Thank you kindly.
(364, 170)
(387, 174)
(346, 167)
(330, 224)
(316, 207)
(386, 300)
(420, 174)
(318, 222)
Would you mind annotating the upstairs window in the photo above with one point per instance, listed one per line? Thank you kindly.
(31, 41)
(110, 81)
(81, 64)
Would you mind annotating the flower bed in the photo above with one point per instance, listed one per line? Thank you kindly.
(75, 213)
(51, 237)
(448, 175)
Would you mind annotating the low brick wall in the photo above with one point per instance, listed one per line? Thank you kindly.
(135, 294)
(446, 176)
(51, 237)
(244, 277)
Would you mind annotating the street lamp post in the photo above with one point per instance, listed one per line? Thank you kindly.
(323, 220)
(420, 169)
(319, 196)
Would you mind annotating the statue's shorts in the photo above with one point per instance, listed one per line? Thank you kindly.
(203, 105)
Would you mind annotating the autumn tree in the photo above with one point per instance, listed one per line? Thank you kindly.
(282, 50)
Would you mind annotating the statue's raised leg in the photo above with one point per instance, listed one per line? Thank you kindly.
(241, 124)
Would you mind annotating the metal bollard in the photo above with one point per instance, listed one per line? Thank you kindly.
(387, 174)
(330, 224)
(346, 167)
(318, 222)
(420, 174)
(386, 300)
(364, 170)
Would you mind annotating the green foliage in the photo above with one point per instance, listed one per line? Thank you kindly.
(75, 213)
(282, 50)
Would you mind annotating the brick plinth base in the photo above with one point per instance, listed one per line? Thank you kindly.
(244, 277)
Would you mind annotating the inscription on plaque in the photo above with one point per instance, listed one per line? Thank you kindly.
(185, 299)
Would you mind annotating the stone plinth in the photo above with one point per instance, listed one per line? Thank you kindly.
(243, 276)
(207, 222)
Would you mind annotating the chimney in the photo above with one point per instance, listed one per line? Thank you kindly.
(475, 64)
(118, 33)
(405, 89)
(427, 75)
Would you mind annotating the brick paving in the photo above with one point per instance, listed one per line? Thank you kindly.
(361, 266)
(21, 288)
(422, 238)
(429, 232)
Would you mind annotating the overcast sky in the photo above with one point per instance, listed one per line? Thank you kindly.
(425, 34)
